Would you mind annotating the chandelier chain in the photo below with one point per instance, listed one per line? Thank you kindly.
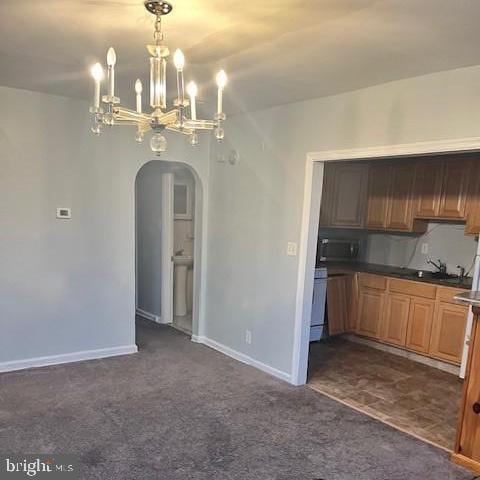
(158, 34)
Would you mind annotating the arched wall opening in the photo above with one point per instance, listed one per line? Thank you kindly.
(149, 232)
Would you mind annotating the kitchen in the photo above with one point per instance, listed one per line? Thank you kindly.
(397, 241)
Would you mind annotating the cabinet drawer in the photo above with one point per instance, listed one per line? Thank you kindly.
(415, 289)
(368, 280)
(446, 294)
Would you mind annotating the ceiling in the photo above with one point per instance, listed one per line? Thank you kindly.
(275, 51)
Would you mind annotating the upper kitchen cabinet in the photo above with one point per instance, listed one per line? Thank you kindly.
(344, 194)
(428, 187)
(453, 200)
(391, 198)
(401, 200)
(377, 197)
(442, 188)
(473, 201)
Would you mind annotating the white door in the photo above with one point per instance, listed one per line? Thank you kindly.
(167, 248)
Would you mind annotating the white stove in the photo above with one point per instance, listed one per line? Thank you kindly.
(317, 322)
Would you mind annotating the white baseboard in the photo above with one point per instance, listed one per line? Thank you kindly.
(241, 357)
(148, 316)
(67, 358)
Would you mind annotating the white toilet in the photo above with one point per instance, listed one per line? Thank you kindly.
(181, 265)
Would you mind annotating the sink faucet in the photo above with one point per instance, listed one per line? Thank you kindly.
(462, 271)
(441, 266)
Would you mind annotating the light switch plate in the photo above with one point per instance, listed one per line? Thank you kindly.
(64, 212)
(291, 249)
(425, 248)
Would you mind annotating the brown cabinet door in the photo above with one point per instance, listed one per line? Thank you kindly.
(395, 320)
(370, 312)
(336, 305)
(327, 194)
(428, 188)
(448, 332)
(349, 195)
(351, 290)
(377, 196)
(400, 203)
(454, 189)
(419, 327)
(473, 201)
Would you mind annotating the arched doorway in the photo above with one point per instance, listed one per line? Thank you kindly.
(168, 238)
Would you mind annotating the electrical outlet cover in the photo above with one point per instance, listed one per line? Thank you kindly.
(291, 249)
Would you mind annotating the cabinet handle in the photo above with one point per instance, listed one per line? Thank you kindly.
(476, 408)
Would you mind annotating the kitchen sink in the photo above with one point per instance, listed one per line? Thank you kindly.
(436, 275)
(449, 278)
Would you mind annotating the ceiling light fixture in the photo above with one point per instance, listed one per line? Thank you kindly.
(109, 112)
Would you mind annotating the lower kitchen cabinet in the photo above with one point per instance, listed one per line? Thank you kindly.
(417, 316)
(370, 311)
(448, 332)
(351, 291)
(336, 304)
(395, 321)
(420, 321)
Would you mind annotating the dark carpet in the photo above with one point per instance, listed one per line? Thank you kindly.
(178, 410)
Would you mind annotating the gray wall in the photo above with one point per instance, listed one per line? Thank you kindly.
(256, 206)
(68, 285)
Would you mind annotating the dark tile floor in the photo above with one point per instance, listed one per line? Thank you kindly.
(413, 397)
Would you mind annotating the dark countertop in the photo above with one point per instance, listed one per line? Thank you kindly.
(398, 272)
(471, 298)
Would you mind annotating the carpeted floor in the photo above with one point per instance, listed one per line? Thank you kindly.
(178, 411)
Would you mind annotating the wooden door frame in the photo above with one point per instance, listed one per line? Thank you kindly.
(314, 169)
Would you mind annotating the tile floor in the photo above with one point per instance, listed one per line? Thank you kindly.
(184, 324)
(413, 397)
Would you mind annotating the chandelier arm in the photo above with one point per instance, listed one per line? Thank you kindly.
(168, 117)
(175, 128)
(124, 121)
(126, 113)
(201, 124)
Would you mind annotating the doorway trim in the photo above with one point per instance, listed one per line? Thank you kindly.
(312, 196)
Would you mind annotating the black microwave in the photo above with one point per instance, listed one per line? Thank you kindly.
(337, 249)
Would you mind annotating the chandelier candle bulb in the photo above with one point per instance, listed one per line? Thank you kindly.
(138, 91)
(97, 74)
(221, 79)
(111, 60)
(192, 91)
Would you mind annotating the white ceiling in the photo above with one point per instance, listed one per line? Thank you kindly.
(275, 51)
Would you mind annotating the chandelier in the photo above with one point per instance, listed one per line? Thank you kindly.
(182, 118)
